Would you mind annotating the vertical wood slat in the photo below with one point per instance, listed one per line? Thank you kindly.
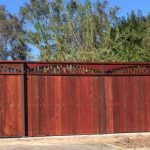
(102, 102)
(109, 105)
(22, 86)
(115, 101)
(122, 105)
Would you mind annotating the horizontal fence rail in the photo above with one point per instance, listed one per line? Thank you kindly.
(69, 98)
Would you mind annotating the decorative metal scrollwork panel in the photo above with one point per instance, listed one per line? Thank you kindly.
(85, 69)
(129, 70)
(8, 68)
(63, 69)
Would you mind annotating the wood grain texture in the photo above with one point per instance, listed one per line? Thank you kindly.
(63, 105)
(109, 105)
(69, 105)
(11, 123)
(74, 98)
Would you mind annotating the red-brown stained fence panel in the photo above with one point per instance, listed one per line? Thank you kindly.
(127, 103)
(63, 105)
(11, 115)
(55, 98)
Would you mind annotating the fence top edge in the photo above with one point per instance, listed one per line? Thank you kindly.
(69, 62)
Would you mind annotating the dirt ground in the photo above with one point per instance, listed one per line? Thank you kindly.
(136, 141)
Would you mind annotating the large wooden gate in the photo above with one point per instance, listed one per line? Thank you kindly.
(79, 98)
(50, 98)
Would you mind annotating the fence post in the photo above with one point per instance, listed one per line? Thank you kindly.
(23, 86)
(103, 101)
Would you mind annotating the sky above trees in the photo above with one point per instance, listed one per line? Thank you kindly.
(125, 5)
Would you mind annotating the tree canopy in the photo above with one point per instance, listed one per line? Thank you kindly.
(75, 31)
(13, 43)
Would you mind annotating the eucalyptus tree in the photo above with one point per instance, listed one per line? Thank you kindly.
(12, 37)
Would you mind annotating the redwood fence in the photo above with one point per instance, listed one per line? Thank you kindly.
(53, 98)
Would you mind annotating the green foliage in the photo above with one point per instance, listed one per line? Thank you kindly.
(37, 16)
(134, 36)
(12, 37)
(75, 31)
